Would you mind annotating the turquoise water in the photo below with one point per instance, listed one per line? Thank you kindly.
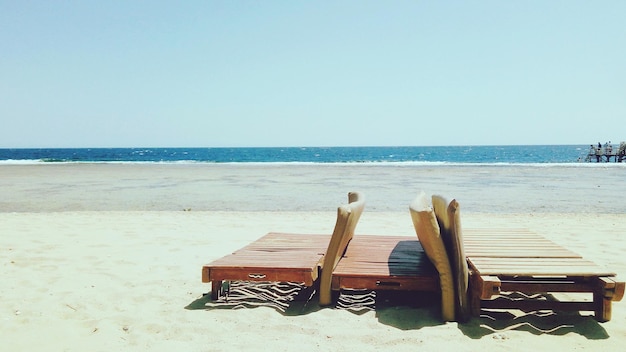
(530, 154)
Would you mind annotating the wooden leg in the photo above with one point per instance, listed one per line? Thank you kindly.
(474, 291)
(618, 294)
(475, 306)
(482, 287)
(216, 287)
(607, 290)
(602, 307)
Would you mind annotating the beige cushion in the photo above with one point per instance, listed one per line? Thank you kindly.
(427, 229)
(347, 218)
(449, 218)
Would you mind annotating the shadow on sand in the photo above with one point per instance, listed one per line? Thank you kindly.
(286, 298)
(401, 310)
(496, 322)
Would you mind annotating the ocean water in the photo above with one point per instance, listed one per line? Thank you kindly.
(511, 154)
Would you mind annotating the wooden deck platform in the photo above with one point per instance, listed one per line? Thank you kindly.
(277, 257)
(385, 263)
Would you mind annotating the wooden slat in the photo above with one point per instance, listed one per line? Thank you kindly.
(543, 285)
(521, 253)
(418, 283)
(284, 241)
(306, 276)
(532, 305)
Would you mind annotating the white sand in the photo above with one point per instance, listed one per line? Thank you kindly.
(102, 257)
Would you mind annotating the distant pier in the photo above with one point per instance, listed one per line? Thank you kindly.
(604, 154)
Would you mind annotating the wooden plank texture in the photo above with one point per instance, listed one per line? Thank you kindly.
(528, 262)
(385, 262)
(544, 266)
(273, 257)
(511, 243)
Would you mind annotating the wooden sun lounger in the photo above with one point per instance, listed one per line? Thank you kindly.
(522, 261)
(486, 262)
(283, 257)
(279, 257)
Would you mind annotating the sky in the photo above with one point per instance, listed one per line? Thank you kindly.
(311, 73)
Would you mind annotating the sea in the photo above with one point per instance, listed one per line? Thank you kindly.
(504, 154)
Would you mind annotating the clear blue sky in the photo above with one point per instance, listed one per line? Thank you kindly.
(311, 73)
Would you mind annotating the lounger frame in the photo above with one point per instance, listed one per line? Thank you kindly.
(508, 260)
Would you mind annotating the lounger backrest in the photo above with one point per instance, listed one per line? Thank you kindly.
(428, 233)
(449, 219)
(347, 218)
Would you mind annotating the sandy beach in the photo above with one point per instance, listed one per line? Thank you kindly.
(101, 257)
